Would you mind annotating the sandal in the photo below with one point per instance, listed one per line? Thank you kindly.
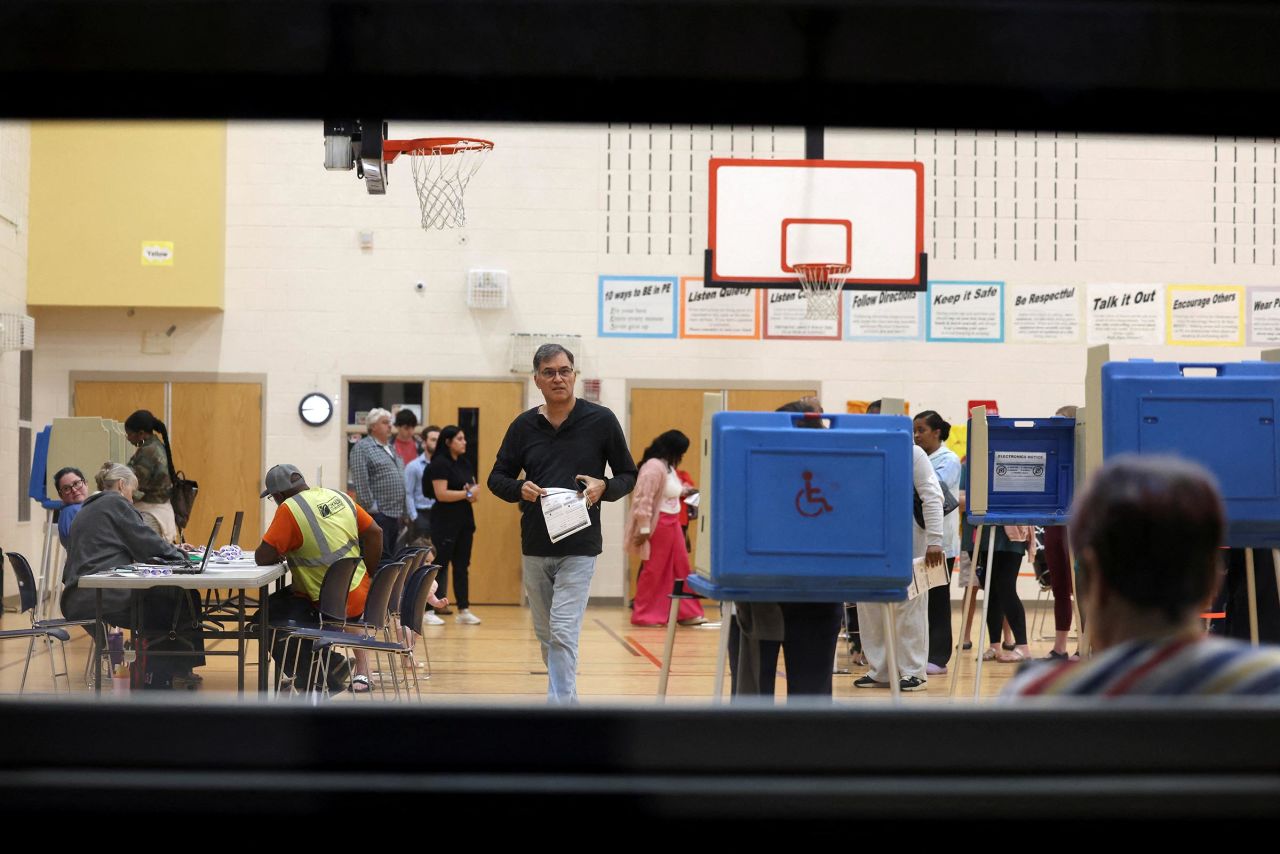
(360, 684)
(989, 655)
(1012, 657)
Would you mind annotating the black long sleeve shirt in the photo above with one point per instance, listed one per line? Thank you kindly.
(589, 438)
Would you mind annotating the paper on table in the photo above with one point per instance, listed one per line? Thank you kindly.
(565, 512)
(925, 577)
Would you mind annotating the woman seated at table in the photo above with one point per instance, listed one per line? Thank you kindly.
(109, 532)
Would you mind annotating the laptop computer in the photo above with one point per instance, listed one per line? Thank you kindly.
(188, 569)
(235, 528)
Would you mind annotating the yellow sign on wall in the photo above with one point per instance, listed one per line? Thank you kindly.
(157, 253)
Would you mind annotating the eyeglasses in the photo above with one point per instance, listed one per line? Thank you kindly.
(70, 487)
(563, 373)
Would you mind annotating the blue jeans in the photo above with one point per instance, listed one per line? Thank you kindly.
(557, 588)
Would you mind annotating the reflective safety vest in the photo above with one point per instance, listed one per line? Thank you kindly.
(327, 520)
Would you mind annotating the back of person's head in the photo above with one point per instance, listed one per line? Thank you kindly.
(807, 406)
(1151, 527)
(442, 441)
(142, 421)
(873, 408)
(935, 422)
(1067, 411)
(669, 446)
(112, 474)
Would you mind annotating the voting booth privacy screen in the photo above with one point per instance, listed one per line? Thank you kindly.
(809, 515)
(1222, 416)
(1030, 465)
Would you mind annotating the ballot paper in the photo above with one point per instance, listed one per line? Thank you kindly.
(925, 577)
(565, 512)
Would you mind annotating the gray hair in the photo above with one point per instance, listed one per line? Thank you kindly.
(547, 352)
(375, 415)
(112, 473)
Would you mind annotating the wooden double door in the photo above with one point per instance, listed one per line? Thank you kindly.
(656, 410)
(484, 410)
(216, 433)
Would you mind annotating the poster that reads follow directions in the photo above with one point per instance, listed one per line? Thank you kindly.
(1205, 315)
(638, 307)
(1044, 314)
(1264, 316)
(971, 312)
(784, 317)
(718, 312)
(1125, 314)
(883, 316)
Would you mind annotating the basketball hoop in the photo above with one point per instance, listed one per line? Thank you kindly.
(441, 169)
(821, 284)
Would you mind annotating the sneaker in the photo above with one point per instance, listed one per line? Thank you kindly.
(868, 682)
(430, 619)
(1054, 655)
(467, 618)
(913, 683)
(935, 669)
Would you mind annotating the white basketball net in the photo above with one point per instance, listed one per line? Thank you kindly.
(821, 284)
(440, 174)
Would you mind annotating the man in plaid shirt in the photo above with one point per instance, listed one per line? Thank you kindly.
(377, 473)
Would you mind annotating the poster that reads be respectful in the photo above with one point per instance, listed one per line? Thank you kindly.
(1125, 314)
(784, 317)
(883, 315)
(638, 307)
(1044, 314)
(1264, 316)
(971, 312)
(1205, 315)
(718, 312)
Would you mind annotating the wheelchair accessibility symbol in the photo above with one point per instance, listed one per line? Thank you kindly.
(809, 500)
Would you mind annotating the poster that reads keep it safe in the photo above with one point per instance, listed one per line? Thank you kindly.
(1205, 315)
(1125, 314)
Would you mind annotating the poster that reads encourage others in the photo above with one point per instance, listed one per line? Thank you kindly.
(883, 315)
(638, 307)
(785, 317)
(971, 312)
(1264, 316)
(1125, 314)
(1205, 315)
(1044, 314)
(718, 312)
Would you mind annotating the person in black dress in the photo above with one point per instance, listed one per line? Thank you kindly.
(453, 524)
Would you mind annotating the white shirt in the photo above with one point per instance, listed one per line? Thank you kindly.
(926, 483)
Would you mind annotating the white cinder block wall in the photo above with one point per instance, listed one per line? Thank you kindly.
(558, 205)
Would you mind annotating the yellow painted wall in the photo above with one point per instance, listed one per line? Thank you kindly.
(100, 190)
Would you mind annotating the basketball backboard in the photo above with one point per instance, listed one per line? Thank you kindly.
(766, 216)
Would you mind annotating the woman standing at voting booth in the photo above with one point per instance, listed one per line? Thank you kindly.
(931, 431)
(153, 465)
(653, 532)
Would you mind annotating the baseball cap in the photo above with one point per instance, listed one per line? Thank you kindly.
(281, 479)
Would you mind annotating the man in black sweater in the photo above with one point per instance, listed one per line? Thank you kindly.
(564, 443)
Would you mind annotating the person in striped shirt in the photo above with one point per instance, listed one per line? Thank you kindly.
(1147, 532)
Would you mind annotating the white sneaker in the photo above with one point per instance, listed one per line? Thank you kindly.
(467, 618)
(430, 619)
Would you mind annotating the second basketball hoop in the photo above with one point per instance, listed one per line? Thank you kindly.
(821, 284)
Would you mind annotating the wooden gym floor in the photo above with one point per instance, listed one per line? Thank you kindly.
(499, 662)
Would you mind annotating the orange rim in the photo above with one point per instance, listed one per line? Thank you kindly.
(432, 146)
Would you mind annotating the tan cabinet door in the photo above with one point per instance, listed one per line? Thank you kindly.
(495, 558)
(764, 399)
(216, 431)
(117, 401)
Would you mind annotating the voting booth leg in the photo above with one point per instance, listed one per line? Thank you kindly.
(670, 644)
(1275, 563)
(727, 611)
(891, 645)
(970, 597)
(48, 583)
(1252, 582)
(99, 630)
(986, 605)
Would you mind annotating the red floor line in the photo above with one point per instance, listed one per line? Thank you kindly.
(657, 662)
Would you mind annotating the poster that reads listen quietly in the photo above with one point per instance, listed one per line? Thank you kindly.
(883, 315)
(1044, 314)
(971, 312)
(638, 306)
(1205, 315)
(718, 312)
(785, 317)
(1264, 316)
(1125, 314)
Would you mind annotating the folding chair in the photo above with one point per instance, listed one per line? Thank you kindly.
(48, 630)
(333, 613)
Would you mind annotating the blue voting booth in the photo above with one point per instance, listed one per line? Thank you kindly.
(1222, 416)
(809, 515)
(1024, 468)
(37, 488)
